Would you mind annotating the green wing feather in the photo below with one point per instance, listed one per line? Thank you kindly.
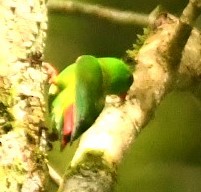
(89, 99)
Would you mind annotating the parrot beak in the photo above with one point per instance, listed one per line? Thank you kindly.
(51, 71)
(123, 96)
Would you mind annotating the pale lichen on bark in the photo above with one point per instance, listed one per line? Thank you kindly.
(190, 68)
(22, 160)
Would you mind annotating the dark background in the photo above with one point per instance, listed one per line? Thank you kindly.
(167, 154)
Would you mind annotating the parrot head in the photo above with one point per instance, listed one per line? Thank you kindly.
(117, 76)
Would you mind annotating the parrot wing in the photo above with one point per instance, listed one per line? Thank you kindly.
(89, 98)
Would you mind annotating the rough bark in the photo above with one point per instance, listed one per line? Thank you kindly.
(23, 25)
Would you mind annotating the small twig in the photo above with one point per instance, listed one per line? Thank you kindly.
(54, 175)
(110, 14)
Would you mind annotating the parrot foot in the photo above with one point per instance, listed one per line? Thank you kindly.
(51, 71)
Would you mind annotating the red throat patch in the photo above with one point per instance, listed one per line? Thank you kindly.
(68, 126)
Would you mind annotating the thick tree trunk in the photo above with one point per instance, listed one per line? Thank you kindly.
(23, 26)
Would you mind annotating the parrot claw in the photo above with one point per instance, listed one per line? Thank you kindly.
(51, 71)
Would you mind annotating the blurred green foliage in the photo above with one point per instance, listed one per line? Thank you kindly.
(166, 156)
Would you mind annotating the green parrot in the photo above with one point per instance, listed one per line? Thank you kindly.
(77, 94)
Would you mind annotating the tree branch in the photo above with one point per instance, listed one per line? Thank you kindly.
(102, 147)
(113, 15)
(191, 12)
